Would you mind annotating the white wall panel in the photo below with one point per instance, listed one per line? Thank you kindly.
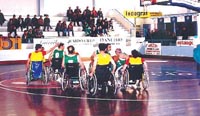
(23, 7)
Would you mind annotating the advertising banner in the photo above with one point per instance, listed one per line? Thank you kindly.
(153, 49)
(10, 43)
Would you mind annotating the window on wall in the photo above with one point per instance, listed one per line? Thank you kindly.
(190, 27)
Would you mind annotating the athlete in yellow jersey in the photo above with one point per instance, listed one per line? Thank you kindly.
(37, 57)
(101, 65)
(135, 67)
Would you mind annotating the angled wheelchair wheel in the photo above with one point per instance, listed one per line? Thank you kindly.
(65, 82)
(83, 79)
(118, 76)
(145, 80)
(112, 84)
(45, 76)
(125, 78)
(28, 77)
(92, 85)
(50, 72)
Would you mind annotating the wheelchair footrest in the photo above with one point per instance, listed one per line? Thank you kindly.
(74, 80)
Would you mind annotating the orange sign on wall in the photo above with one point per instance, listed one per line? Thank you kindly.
(10, 43)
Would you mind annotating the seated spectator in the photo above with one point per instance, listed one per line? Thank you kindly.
(47, 23)
(20, 22)
(58, 28)
(34, 21)
(30, 35)
(40, 21)
(70, 28)
(100, 31)
(27, 22)
(86, 28)
(25, 37)
(38, 33)
(110, 24)
(94, 32)
(64, 28)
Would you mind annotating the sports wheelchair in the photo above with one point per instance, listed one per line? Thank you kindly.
(55, 69)
(36, 71)
(73, 76)
(106, 82)
(123, 78)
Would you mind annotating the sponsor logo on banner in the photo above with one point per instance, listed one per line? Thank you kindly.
(84, 45)
(153, 49)
(10, 43)
(184, 43)
(138, 14)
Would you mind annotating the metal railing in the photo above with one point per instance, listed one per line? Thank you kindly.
(127, 24)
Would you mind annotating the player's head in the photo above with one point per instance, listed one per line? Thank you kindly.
(70, 49)
(135, 53)
(118, 51)
(102, 47)
(38, 46)
(61, 46)
(109, 47)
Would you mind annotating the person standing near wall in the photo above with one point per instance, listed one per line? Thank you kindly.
(2, 18)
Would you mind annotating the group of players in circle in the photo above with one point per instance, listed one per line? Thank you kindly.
(102, 62)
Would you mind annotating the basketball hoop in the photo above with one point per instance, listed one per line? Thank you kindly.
(147, 3)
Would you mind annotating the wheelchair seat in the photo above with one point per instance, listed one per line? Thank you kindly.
(36, 69)
(72, 69)
(135, 72)
(56, 64)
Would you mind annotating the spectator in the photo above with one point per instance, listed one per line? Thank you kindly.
(20, 22)
(88, 13)
(11, 27)
(100, 31)
(58, 28)
(64, 28)
(34, 22)
(94, 32)
(70, 28)
(25, 37)
(77, 15)
(184, 33)
(94, 13)
(27, 22)
(110, 25)
(40, 21)
(100, 13)
(38, 33)
(69, 14)
(138, 34)
(30, 35)
(47, 23)
(2, 18)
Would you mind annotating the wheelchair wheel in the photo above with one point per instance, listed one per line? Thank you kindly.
(92, 85)
(118, 76)
(83, 79)
(45, 76)
(125, 78)
(112, 84)
(65, 82)
(28, 77)
(145, 80)
(51, 74)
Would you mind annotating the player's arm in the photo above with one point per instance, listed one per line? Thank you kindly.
(94, 66)
(52, 48)
(114, 66)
